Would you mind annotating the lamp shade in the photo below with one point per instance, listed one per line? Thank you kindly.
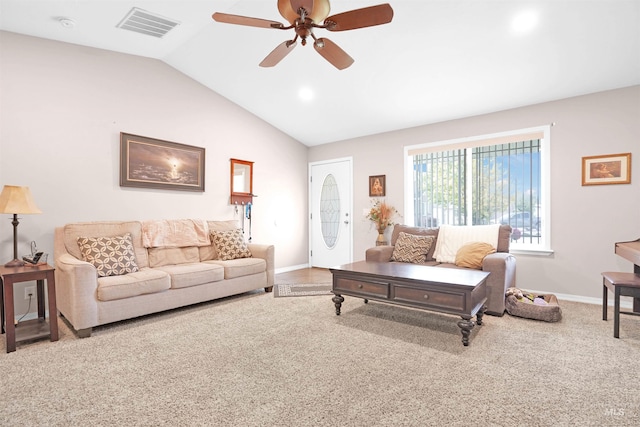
(17, 200)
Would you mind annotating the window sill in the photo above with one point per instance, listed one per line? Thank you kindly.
(531, 251)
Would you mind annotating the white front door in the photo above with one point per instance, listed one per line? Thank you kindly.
(330, 202)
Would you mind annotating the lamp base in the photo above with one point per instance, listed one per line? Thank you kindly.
(15, 263)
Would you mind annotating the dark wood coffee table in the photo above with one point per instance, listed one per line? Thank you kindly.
(461, 292)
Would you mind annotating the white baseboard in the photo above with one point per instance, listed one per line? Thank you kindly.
(291, 268)
(624, 303)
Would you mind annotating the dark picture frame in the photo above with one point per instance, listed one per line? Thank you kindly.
(377, 186)
(606, 169)
(154, 163)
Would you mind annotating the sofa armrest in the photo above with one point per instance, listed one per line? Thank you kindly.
(502, 266)
(267, 253)
(379, 253)
(76, 291)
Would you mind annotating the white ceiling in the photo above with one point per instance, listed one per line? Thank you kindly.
(437, 60)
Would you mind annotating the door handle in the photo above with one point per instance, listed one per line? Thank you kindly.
(346, 222)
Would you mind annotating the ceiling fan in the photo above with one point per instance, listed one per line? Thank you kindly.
(305, 15)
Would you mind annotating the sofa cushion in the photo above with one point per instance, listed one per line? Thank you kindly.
(472, 254)
(111, 256)
(412, 248)
(230, 244)
(207, 253)
(241, 267)
(159, 257)
(416, 231)
(145, 281)
(186, 275)
(227, 225)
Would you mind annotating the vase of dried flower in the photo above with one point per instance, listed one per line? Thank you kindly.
(381, 241)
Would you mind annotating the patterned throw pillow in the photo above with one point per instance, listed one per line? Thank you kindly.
(412, 248)
(112, 256)
(230, 244)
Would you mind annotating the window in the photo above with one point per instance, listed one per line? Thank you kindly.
(494, 179)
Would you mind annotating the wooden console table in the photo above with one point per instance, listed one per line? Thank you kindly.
(30, 329)
(462, 292)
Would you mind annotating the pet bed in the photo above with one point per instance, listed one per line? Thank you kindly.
(530, 306)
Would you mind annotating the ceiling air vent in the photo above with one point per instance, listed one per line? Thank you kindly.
(148, 23)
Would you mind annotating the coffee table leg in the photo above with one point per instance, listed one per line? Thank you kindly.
(480, 315)
(466, 324)
(338, 300)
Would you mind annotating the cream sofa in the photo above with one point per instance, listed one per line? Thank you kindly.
(168, 276)
(501, 264)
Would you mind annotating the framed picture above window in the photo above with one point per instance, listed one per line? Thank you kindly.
(377, 186)
(606, 169)
(154, 163)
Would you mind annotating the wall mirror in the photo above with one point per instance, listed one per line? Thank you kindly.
(241, 182)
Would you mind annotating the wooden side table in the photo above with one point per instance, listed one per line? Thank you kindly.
(30, 329)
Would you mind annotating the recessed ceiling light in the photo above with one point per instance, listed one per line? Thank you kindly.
(306, 94)
(524, 21)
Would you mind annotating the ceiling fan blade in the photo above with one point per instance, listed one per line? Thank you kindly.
(277, 54)
(360, 18)
(245, 20)
(332, 53)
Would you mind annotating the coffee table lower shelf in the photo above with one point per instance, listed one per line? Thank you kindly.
(451, 291)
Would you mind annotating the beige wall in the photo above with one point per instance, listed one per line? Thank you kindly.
(586, 221)
(62, 109)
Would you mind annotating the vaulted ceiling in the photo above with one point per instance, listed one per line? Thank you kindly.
(437, 60)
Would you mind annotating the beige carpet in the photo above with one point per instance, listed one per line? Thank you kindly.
(256, 360)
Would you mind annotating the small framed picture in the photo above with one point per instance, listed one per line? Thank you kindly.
(377, 186)
(607, 169)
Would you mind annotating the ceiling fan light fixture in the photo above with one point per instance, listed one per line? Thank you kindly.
(320, 11)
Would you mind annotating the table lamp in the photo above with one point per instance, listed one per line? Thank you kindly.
(16, 200)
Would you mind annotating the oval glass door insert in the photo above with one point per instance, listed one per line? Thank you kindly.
(330, 211)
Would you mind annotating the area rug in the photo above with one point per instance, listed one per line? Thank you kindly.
(301, 289)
